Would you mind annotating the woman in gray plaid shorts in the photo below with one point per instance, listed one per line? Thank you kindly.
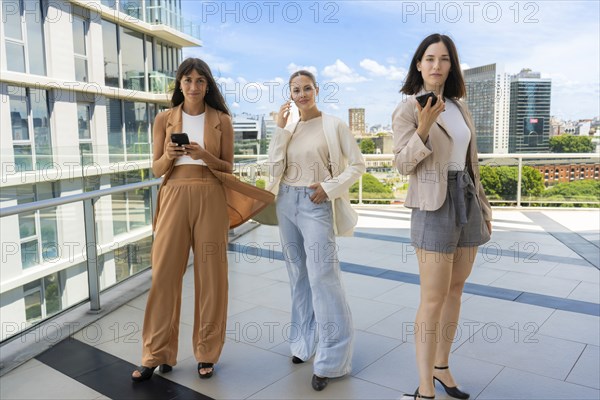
(435, 144)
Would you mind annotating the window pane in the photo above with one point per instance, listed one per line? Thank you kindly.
(29, 254)
(81, 69)
(115, 130)
(139, 254)
(132, 7)
(23, 158)
(49, 235)
(86, 152)
(111, 55)
(109, 3)
(35, 37)
(119, 205)
(149, 53)
(41, 127)
(83, 121)
(132, 52)
(18, 113)
(11, 14)
(33, 306)
(15, 57)
(136, 130)
(26, 224)
(79, 29)
(52, 294)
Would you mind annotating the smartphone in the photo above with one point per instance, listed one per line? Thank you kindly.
(294, 113)
(180, 138)
(422, 99)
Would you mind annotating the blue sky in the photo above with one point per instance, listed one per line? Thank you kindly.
(360, 50)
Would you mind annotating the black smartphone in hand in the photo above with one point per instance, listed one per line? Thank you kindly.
(422, 99)
(180, 138)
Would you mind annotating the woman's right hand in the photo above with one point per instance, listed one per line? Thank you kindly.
(174, 151)
(284, 114)
(428, 115)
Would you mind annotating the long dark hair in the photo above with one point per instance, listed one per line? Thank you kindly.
(213, 98)
(454, 87)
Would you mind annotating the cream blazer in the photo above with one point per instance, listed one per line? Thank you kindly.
(346, 163)
(426, 164)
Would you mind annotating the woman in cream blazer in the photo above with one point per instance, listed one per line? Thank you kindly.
(313, 164)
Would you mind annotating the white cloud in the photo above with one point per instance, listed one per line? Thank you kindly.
(293, 68)
(333, 106)
(218, 65)
(341, 73)
(235, 104)
(375, 69)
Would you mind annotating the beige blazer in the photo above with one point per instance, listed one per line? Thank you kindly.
(346, 163)
(426, 164)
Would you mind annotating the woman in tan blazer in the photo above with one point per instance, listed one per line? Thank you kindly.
(435, 145)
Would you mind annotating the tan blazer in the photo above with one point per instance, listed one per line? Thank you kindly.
(243, 200)
(427, 163)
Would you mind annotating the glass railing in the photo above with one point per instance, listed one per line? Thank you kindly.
(161, 82)
(161, 15)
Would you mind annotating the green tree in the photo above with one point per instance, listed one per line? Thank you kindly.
(501, 182)
(367, 146)
(372, 189)
(571, 144)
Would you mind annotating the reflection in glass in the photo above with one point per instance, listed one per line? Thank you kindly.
(18, 113)
(115, 130)
(23, 157)
(111, 54)
(33, 301)
(136, 130)
(132, 55)
(15, 57)
(29, 254)
(52, 294)
(35, 38)
(41, 127)
(12, 20)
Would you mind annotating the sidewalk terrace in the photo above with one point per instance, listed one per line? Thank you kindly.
(529, 326)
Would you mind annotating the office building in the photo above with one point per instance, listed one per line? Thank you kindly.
(80, 84)
(488, 99)
(529, 129)
(356, 121)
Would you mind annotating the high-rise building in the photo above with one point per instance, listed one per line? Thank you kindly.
(356, 121)
(529, 130)
(80, 85)
(488, 98)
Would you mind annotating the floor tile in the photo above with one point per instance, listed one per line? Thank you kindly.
(587, 369)
(518, 385)
(572, 326)
(503, 312)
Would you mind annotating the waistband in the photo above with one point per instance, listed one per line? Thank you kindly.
(287, 188)
(192, 181)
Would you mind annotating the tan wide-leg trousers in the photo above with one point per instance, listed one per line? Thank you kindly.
(193, 213)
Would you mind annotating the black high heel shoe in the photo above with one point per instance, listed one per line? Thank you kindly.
(297, 360)
(164, 368)
(319, 383)
(145, 374)
(452, 391)
(203, 365)
(417, 395)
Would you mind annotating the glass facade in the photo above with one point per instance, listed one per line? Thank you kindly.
(29, 113)
(23, 22)
(529, 115)
(80, 27)
(111, 54)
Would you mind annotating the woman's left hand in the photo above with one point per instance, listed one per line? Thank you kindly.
(319, 195)
(195, 151)
(489, 226)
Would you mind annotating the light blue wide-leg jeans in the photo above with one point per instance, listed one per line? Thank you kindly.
(321, 317)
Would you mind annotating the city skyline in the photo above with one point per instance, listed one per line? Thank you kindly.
(360, 51)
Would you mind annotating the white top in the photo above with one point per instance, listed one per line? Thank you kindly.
(193, 125)
(460, 134)
(307, 158)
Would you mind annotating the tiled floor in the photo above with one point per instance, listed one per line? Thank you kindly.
(504, 349)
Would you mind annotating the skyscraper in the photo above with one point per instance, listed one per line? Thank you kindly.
(356, 121)
(488, 98)
(529, 130)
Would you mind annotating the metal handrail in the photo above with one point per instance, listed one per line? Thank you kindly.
(59, 201)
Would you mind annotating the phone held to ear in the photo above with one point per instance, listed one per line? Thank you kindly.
(422, 99)
(180, 138)
(294, 113)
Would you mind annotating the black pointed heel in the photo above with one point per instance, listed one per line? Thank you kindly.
(203, 365)
(145, 374)
(452, 391)
(417, 395)
(297, 360)
(164, 368)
